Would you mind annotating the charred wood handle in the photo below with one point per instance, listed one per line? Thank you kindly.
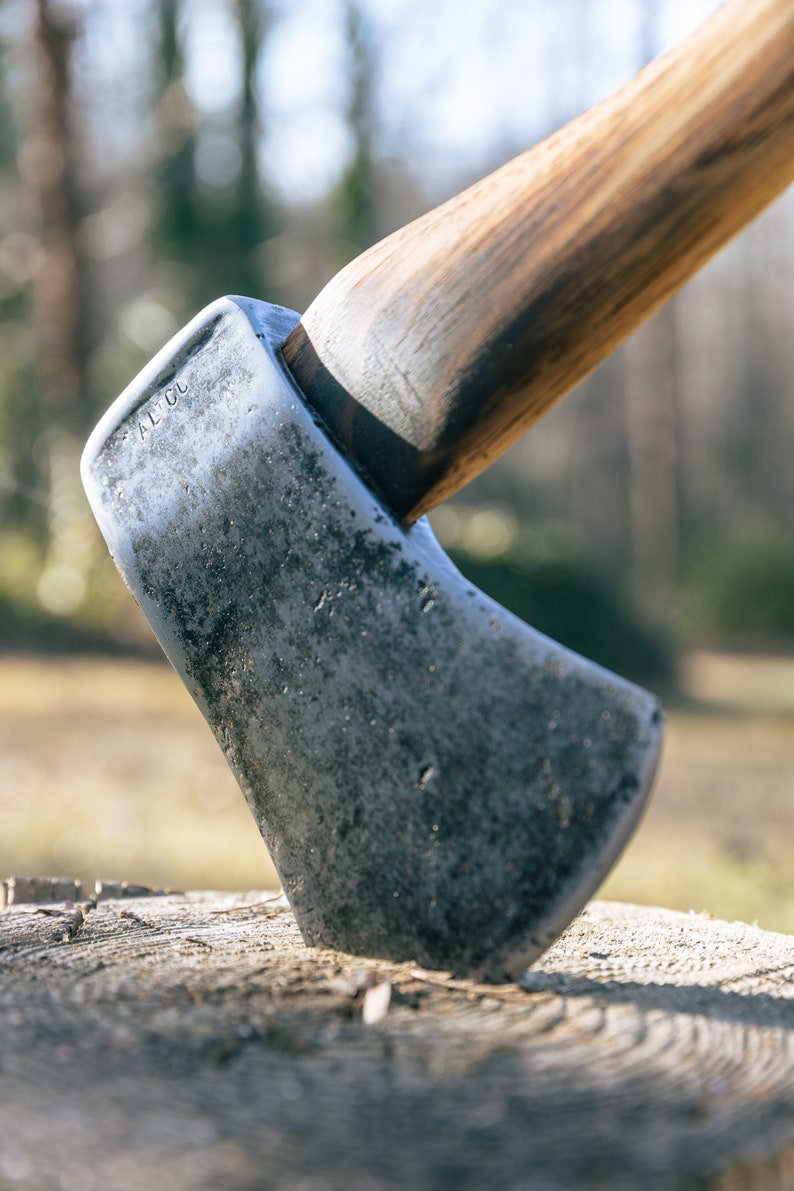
(432, 352)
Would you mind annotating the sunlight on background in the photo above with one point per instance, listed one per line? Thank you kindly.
(457, 81)
(303, 72)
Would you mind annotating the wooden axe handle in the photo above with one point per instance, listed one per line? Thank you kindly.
(433, 351)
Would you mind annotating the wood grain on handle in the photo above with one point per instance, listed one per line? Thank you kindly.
(432, 352)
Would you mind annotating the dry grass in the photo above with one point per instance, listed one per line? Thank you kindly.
(719, 833)
(108, 770)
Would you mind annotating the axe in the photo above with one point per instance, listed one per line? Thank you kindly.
(435, 780)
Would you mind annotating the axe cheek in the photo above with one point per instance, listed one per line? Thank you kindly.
(435, 780)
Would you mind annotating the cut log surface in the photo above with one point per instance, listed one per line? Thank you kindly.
(193, 1041)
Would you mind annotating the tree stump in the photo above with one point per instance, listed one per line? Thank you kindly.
(192, 1041)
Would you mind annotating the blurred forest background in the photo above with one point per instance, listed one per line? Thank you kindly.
(154, 156)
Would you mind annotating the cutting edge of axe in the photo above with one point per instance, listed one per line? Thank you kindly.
(420, 763)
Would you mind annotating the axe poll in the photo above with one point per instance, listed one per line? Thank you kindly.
(435, 780)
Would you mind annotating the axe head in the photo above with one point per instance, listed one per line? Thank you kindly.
(435, 781)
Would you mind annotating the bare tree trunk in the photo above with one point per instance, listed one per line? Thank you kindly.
(175, 180)
(61, 313)
(651, 391)
(48, 161)
(355, 200)
(251, 213)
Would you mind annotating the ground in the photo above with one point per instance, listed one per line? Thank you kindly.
(107, 770)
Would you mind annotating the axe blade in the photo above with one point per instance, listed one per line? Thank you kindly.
(435, 780)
